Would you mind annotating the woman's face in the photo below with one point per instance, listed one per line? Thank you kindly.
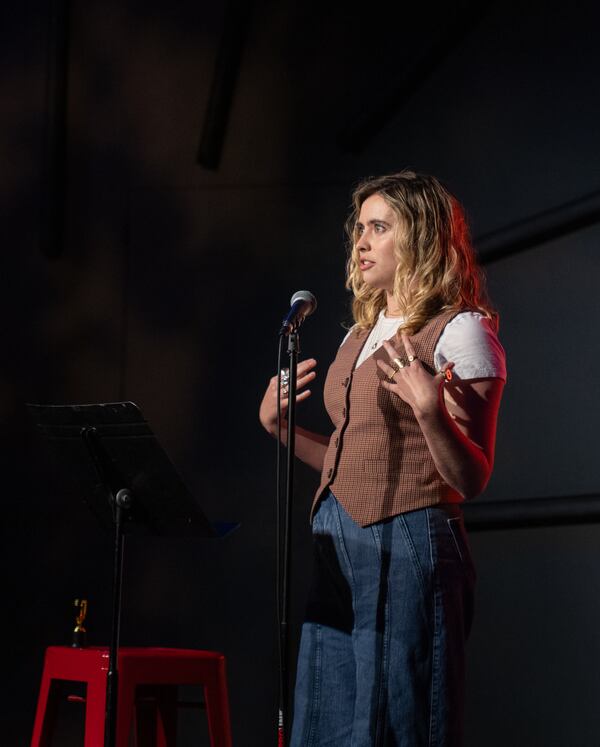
(375, 238)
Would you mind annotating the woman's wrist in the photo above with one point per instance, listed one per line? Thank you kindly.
(272, 429)
(432, 409)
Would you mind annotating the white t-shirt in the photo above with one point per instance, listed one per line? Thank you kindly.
(468, 340)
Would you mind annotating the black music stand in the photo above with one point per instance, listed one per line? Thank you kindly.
(111, 457)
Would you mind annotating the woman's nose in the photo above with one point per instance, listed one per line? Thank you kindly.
(363, 243)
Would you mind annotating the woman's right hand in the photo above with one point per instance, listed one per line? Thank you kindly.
(268, 407)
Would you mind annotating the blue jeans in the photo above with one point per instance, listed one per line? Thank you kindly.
(381, 658)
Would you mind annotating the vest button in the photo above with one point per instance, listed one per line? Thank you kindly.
(344, 412)
(345, 381)
(337, 441)
(330, 472)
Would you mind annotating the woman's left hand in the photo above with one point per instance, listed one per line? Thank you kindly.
(411, 382)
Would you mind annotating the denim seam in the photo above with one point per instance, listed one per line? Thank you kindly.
(338, 524)
(383, 673)
(413, 552)
(312, 728)
(376, 540)
(383, 677)
(451, 528)
(435, 643)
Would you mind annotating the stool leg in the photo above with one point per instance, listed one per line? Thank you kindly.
(45, 714)
(217, 708)
(95, 713)
(144, 715)
(156, 716)
(125, 710)
(167, 716)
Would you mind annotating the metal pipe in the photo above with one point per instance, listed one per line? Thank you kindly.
(227, 67)
(527, 513)
(54, 156)
(545, 226)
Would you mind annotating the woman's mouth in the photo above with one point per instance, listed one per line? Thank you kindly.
(365, 264)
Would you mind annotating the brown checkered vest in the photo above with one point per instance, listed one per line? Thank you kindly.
(378, 464)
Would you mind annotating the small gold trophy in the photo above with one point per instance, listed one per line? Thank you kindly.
(79, 632)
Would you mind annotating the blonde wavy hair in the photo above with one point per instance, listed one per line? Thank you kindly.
(437, 269)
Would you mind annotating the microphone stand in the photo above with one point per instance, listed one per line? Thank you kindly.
(284, 537)
(303, 303)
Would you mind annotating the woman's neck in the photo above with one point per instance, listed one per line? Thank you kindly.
(392, 307)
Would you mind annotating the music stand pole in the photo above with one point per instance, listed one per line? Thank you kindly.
(121, 501)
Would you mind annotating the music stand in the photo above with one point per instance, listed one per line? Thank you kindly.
(113, 459)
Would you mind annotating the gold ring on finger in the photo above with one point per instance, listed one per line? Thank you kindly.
(399, 363)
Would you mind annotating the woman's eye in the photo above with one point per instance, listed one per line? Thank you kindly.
(379, 227)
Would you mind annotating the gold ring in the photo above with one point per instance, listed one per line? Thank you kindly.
(399, 363)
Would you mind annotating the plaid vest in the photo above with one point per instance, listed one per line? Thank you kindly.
(378, 464)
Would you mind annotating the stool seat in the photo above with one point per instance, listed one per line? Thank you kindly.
(158, 670)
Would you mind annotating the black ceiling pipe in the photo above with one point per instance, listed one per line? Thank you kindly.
(54, 156)
(538, 229)
(464, 19)
(528, 513)
(226, 73)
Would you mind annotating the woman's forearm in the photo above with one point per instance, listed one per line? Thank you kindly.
(460, 462)
(310, 447)
(462, 437)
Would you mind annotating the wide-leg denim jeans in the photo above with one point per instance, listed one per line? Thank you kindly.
(381, 659)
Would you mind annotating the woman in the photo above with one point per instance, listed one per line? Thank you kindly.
(413, 395)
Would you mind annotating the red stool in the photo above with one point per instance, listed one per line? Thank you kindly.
(158, 670)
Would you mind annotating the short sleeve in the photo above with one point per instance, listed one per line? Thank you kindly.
(469, 340)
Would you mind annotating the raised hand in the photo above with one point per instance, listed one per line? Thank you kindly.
(409, 380)
(268, 407)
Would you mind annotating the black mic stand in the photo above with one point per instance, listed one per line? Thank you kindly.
(303, 304)
(284, 538)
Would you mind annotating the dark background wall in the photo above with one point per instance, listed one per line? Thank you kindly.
(134, 272)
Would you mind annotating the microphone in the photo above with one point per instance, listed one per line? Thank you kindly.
(303, 303)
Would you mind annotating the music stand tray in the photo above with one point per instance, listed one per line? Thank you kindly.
(110, 455)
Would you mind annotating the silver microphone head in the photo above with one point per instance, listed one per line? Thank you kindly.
(307, 296)
(302, 304)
